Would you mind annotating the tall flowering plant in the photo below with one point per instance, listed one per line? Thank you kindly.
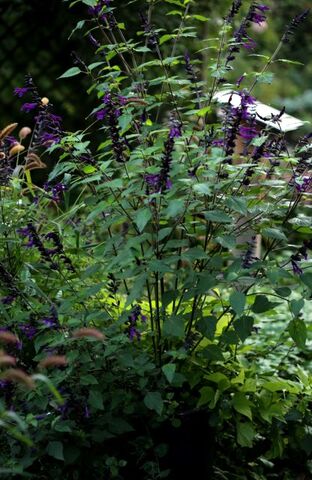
(132, 273)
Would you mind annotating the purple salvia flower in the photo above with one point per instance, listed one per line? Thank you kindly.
(55, 191)
(29, 330)
(52, 320)
(101, 114)
(28, 107)
(152, 180)
(175, 129)
(296, 268)
(8, 300)
(240, 80)
(218, 143)
(94, 41)
(263, 8)
(133, 318)
(248, 132)
(20, 91)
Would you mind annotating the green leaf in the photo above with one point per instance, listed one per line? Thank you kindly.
(124, 121)
(213, 353)
(55, 450)
(307, 279)
(71, 72)
(227, 241)
(78, 26)
(285, 60)
(169, 371)
(142, 218)
(202, 188)
(237, 302)
(242, 405)
(266, 77)
(243, 327)
(237, 204)
(175, 207)
(153, 401)
(200, 18)
(298, 332)
(245, 434)
(89, 169)
(90, 3)
(207, 326)
(296, 306)
(174, 327)
(137, 289)
(218, 216)
(206, 396)
(203, 111)
(88, 379)
(262, 304)
(165, 38)
(96, 400)
(274, 233)
(94, 65)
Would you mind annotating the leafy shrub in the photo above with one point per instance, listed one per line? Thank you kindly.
(132, 298)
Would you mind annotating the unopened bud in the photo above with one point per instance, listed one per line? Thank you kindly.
(24, 132)
(7, 130)
(17, 148)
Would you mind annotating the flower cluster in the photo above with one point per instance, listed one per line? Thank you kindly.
(235, 7)
(152, 36)
(301, 254)
(112, 112)
(55, 191)
(133, 319)
(47, 254)
(160, 182)
(48, 130)
(294, 24)
(238, 120)
(51, 321)
(105, 17)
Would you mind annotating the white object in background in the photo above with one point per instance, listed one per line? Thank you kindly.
(264, 113)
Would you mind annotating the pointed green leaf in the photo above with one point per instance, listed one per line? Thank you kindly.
(242, 405)
(71, 72)
(55, 450)
(237, 302)
(298, 332)
(153, 401)
(142, 218)
(169, 371)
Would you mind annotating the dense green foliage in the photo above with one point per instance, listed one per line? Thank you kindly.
(142, 336)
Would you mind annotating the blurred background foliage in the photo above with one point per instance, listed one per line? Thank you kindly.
(34, 38)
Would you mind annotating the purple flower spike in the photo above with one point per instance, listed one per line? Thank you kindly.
(28, 107)
(20, 91)
(175, 128)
